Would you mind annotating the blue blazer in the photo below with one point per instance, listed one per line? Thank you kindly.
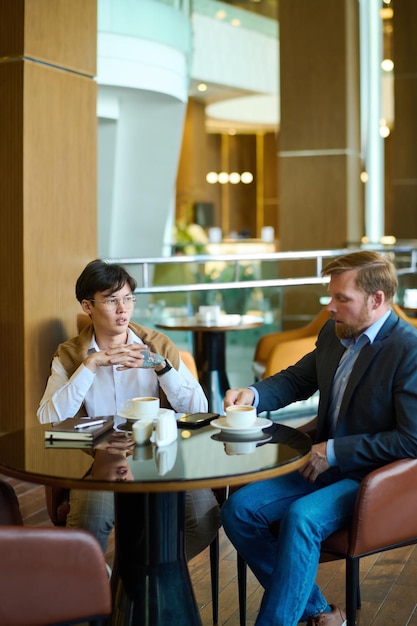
(377, 421)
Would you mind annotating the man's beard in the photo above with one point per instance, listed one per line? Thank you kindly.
(345, 331)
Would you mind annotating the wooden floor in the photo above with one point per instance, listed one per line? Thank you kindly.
(388, 581)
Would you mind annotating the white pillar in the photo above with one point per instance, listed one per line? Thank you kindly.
(371, 107)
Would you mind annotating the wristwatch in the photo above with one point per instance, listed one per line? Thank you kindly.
(165, 369)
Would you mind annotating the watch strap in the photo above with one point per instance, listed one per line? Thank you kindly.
(165, 369)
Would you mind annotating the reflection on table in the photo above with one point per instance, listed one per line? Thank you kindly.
(150, 582)
(209, 347)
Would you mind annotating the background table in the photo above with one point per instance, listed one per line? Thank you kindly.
(151, 585)
(209, 347)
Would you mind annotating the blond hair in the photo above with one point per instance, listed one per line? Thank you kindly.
(375, 271)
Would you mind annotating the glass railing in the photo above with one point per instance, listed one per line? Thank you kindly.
(283, 287)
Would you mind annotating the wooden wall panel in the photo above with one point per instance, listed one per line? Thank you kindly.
(402, 216)
(59, 32)
(11, 243)
(191, 183)
(321, 203)
(59, 208)
(317, 187)
(48, 229)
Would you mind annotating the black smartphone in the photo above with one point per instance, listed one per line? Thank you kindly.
(195, 420)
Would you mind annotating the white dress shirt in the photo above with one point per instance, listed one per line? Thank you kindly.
(106, 391)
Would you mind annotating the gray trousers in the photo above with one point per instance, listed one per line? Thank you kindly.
(94, 511)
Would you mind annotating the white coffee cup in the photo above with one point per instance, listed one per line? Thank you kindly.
(240, 416)
(143, 407)
(142, 430)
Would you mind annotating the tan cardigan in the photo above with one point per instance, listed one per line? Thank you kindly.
(73, 352)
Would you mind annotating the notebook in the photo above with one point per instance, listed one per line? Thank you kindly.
(78, 429)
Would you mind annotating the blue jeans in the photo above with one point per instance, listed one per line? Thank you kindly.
(286, 565)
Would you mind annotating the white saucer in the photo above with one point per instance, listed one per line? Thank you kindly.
(127, 414)
(260, 423)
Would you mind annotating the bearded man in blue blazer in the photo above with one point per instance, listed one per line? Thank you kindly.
(364, 366)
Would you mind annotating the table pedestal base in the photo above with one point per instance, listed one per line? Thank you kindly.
(151, 585)
(210, 351)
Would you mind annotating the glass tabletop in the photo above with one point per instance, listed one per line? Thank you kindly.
(205, 457)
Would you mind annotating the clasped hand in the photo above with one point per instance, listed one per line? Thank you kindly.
(125, 356)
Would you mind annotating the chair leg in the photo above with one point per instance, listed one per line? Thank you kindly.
(214, 573)
(353, 600)
(241, 584)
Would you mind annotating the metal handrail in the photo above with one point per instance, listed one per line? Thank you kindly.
(145, 265)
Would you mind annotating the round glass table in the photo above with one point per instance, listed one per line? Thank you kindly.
(150, 581)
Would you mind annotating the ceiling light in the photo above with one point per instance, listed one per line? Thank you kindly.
(223, 178)
(211, 178)
(235, 22)
(234, 178)
(246, 178)
(202, 87)
(387, 65)
(220, 15)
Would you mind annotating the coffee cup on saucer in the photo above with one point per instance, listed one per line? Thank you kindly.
(240, 416)
(143, 407)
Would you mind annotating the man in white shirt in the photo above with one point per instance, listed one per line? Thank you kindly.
(97, 371)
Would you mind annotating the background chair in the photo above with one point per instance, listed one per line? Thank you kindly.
(401, 313)
(384, 518)
(269, 342)
(52, 576)
(9, 506)
(48, 575)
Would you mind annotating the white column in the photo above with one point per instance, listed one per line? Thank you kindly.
(371, 107)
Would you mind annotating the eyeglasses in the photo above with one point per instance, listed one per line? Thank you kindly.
(113, 303)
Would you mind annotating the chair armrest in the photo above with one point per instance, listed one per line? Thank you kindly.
(386, 508)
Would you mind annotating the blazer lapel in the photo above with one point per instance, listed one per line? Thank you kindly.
(366, 356)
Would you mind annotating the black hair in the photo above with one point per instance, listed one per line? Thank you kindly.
(99, 275)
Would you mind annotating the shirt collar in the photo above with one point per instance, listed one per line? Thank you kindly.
(93, 347)
(370, 332)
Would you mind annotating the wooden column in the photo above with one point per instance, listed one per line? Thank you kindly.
(47, 186)
(320, 193)
(402, 219)
(192, 168)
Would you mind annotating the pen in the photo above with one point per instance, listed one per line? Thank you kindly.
(88, 424)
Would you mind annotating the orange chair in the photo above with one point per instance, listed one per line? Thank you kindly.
(267, 343)
(401, 313)
(287, 353)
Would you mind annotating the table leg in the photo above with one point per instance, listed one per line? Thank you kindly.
(151, 585)
(210, 356)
